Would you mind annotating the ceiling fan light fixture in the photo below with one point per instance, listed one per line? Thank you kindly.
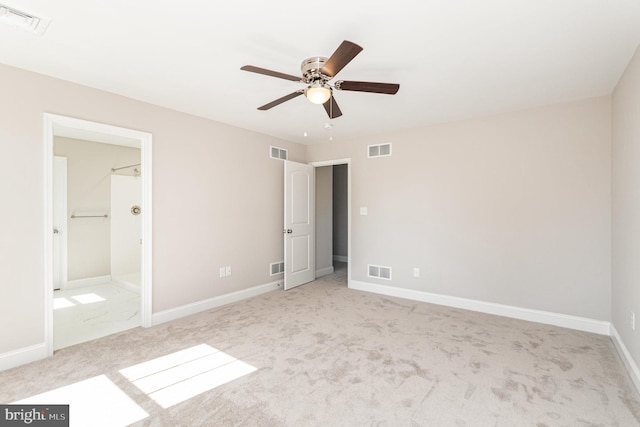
(318, 93)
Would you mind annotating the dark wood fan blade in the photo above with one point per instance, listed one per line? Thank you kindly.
(271, 73)
(332, 109)
(386, 88)
(341, 57)
(281, 100)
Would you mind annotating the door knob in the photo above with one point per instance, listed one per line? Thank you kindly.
(55, 231)
(288, 231)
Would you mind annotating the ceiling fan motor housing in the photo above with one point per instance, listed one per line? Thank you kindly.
(311, 69)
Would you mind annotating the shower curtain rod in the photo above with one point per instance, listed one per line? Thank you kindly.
(125, 167)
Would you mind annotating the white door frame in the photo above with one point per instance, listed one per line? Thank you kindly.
(126, 137)
(348, 163)
(60, 198)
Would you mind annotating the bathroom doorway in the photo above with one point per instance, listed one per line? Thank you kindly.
(107, 231)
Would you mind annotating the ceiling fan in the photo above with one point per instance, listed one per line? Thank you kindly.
(316, 73)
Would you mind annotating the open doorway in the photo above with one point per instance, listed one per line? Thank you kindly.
(100, 294)
(104, 273)
(333, 218)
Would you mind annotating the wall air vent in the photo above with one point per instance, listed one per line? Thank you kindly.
(278, 153)
(380, 150)
(23, 20)
(379, 272)
(276, 268)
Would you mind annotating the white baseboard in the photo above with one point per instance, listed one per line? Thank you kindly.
(130, 282)
(128, 286)
(324, 271)
(89, 281)
(340, 258)
(22, 356)
(207, 304)
(545, 317)
(628, 361)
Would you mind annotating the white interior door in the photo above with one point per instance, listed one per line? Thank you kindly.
(299, 224)
(59, 197)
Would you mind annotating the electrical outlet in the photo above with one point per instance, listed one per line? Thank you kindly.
(633, 321)
(416, 272)
(222, 272)
(228, 270)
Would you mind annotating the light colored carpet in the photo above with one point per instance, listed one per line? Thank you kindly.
(324, 355)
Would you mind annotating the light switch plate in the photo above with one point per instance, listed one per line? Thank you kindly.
(364, 210)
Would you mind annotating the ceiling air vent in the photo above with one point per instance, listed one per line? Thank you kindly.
(278, 153)
(23, 20)
(381, 150)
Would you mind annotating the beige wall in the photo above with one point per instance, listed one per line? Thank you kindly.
(324, 217)
(511, 209)
(217, 198)
(626, 206)
(89, 191)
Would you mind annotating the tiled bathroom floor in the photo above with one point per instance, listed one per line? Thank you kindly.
(91, 312)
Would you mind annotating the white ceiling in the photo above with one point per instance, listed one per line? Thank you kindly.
(454, 59)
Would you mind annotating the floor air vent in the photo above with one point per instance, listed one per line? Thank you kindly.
(276, 268)
(379, 272)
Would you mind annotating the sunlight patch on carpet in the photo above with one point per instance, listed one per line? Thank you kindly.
(182, 375)
(94, 402)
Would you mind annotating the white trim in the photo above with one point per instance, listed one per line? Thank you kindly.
(22, 356)
(208, 304)
(629, 363)
(340, 258)
(323, 163)
(62, 226)
(89, 281)
(47, 234)
(345, 161)
(549, 318)
(117, 136)
(324, 271)
(146, 269)
(127, 286)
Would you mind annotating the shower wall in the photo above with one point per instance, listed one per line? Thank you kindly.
(89, 192)
(126, 193)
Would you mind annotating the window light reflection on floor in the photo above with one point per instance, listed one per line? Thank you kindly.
(88, 298)
(182, 375)
(62, 303)
(93, 402)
